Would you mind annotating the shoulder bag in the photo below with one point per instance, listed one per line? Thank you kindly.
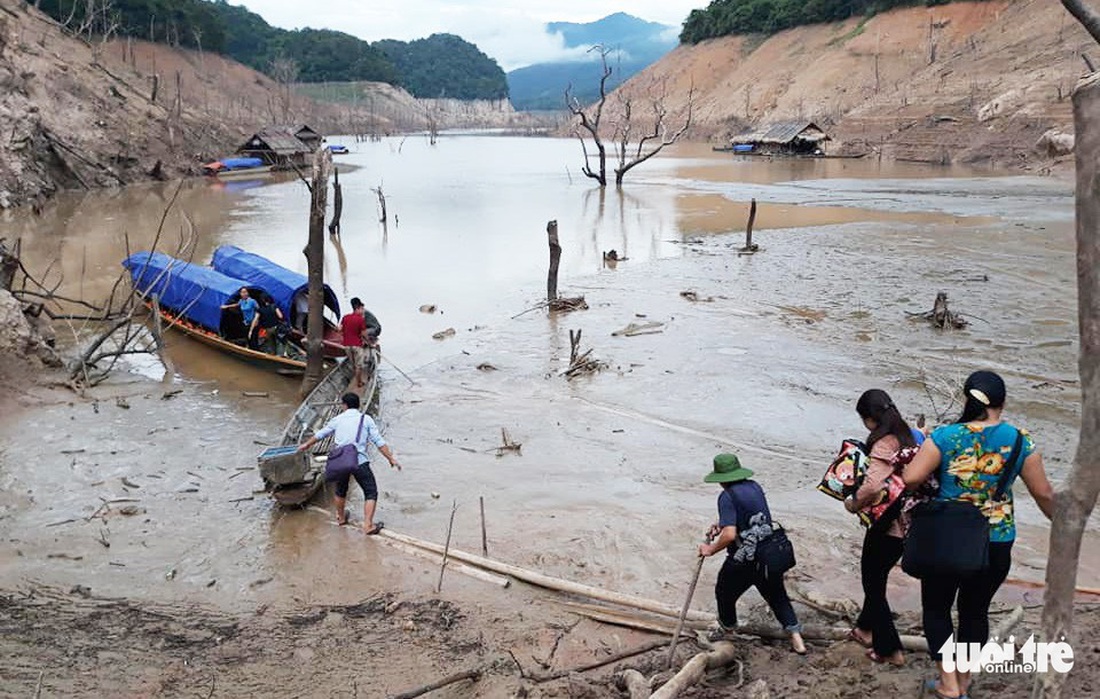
(344, 459)
(950, 538)
(775, 553)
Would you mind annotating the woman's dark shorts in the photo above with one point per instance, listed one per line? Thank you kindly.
(364, 477)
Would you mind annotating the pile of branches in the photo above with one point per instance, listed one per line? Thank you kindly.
(580, 362)
(565, 304)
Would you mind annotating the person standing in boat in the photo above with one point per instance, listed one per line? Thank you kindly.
(247, 306)
(345, 429)
(354, 328)
(264, 331)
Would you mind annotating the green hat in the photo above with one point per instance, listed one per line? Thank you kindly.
(727, 469)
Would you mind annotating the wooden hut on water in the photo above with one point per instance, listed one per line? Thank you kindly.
(282, 147)
(784, 138)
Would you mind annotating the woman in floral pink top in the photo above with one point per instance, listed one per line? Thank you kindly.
(882, 543)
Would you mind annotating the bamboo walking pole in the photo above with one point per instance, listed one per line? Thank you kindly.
(687, 605)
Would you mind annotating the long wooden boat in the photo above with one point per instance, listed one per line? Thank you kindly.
(286, 287)
(294, 480)
(190, 297)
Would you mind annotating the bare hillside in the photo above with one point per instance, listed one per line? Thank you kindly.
(73, 120)
(963, 82)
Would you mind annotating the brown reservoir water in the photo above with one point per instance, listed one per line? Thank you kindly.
(607, 490)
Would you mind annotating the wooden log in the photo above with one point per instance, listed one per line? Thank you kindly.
(696, 669)
(337, 203)
(548, 582)
(635, 684)
(470, 571)
(555, 257)
(472, 675)
(809, 632)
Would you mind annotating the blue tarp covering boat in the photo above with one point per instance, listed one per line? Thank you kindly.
(241, 163)
(192, 291)
(283, 284)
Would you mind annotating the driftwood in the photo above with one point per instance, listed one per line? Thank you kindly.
(506, 446)
(548, 582)
(635, 683)
(651, 327)
(580, 363)
(472, 675)
(565, 304)
(469, 571)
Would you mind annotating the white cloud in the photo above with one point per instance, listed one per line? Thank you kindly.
(511, 31)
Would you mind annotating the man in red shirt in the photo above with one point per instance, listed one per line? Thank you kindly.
(354, 327)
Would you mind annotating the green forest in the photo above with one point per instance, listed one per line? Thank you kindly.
(442, 64)
(724, 17)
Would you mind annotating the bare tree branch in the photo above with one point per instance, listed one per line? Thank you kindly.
(1088, 17)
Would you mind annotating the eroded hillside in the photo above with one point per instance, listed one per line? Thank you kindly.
(964, 82)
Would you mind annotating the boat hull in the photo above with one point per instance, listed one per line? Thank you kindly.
(321, 405)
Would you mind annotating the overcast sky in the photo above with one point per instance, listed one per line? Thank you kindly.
(511, 31)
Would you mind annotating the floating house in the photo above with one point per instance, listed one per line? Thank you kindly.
(784, 138)
(282, 147)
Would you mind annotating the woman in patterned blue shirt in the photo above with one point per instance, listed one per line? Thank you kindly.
(968, 458)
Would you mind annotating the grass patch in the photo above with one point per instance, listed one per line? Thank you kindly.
(856, 31)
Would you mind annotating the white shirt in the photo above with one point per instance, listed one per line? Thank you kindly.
(344, 426)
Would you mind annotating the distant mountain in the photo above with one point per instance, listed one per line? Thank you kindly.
(635, 43)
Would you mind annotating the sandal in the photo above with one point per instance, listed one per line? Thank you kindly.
(934, 687)
(853, 635)
(377, 528)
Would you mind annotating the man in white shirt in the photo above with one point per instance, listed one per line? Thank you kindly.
(344, 429)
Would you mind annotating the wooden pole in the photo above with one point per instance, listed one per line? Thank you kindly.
(1075, 502)
(478, 573)
(315, 258)
(472, 675)
(684, 611)
(555, 257)
(484, 537)
(551, 583)
(446, 547)
(748, 228)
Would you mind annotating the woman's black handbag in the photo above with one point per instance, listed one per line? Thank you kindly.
(950, 538)
(775, 554)
(946, 538)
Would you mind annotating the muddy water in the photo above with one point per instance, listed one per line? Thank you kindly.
(607, 487)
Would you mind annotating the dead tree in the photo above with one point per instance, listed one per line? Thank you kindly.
(1076, 500)
(337, 203)
(750, 247)
(381, 202)
(650, 142)
(315, 259)
(555, 258)
(590, 122)
(285, 72)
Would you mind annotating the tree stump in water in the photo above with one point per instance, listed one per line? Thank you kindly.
(941, 316)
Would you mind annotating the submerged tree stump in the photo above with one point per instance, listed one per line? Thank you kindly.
(941, 316)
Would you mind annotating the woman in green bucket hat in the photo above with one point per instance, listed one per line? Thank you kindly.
(744, 520)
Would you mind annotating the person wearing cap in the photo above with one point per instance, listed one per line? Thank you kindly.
(744, 519)
(968, 458)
